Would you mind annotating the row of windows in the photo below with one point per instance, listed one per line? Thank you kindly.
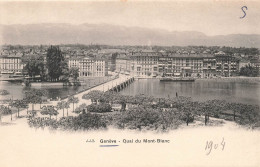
(9, 60)
(88, 73)
(10, 66)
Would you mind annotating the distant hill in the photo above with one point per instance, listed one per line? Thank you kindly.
(34, 34)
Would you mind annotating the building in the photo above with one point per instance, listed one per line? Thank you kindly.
(227, 65)
(11, 64)
(89, 67)
(183, 64)
(145, 64)
(123, 65)
(74, 61)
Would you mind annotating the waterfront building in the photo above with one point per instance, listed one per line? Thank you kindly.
(11, 64)
(74, 61)
(123, 64)
(227, 65)
(144, 64)
(183, 64)
(89, 67)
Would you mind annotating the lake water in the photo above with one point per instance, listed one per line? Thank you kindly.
(16, 90)
(199, 90)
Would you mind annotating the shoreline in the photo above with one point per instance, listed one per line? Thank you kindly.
(231, 79)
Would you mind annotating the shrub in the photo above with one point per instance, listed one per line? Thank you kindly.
(4, 110)
(81, 108)
(82, 122)
(148, 118)
(42, 122)
(88, 121)
(99, 108)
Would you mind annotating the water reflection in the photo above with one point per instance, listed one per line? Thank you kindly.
(16, 90)
(200, 90)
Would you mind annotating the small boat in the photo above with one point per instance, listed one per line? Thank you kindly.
(174, 79)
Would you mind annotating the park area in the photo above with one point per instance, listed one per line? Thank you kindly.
(98, 110)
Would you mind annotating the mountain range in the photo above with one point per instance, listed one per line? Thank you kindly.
(61, 33)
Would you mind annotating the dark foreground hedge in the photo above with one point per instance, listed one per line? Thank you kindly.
(137, 118)
(84, 121)
(99, 108)
(148, 119)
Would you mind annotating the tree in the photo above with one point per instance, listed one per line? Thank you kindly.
(141, 99)
(93, 95)
(234, 107)
(49, 110)
(217, 106)
(113, 61)
(99, 108)
(67, 106)
(34, 65)
(73, 100)
(81, 108)
(34, 96)
(206, 108)
(121, 100)
(74, 73)
(61, 106)
(5, 110)
(55, 63)
(186, 107)
(140, 117)
(249, 71)
(19, 104)
(65, 72)
(108, 97)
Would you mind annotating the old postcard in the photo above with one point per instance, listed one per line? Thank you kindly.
(129, 83)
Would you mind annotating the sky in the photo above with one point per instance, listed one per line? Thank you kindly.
(210, 17)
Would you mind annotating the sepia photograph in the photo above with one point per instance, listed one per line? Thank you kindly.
(129, 83)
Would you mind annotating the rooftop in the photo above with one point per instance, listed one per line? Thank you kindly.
(155, 54)
(10, 56)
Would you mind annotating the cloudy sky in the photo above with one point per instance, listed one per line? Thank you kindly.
(210, 17)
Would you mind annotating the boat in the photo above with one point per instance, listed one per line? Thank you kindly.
(177, 79)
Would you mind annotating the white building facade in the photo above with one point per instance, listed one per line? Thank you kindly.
(182, 65)
(10, 65)
(89, 67)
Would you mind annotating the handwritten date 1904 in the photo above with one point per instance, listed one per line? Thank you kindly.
(210, 145)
